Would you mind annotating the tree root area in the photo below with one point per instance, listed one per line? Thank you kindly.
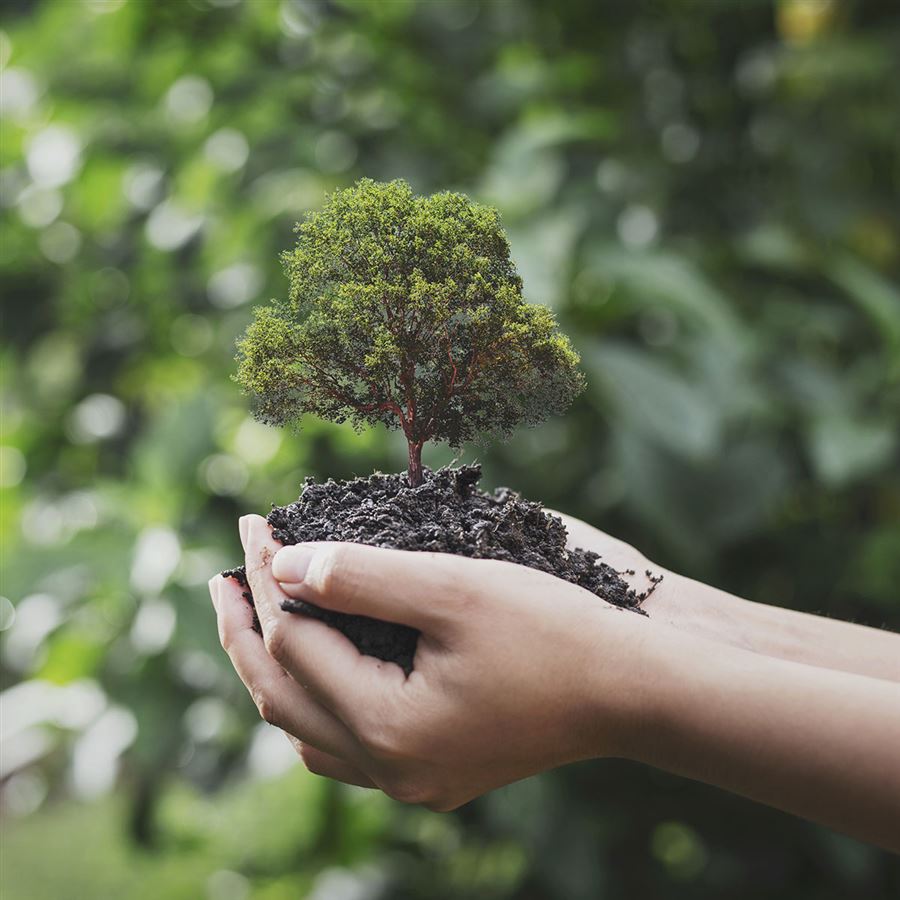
(447, 513)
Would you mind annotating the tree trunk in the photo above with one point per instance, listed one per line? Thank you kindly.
(415, 463)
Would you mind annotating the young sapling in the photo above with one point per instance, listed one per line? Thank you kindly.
(407, 312)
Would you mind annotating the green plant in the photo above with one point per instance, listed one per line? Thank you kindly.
(406, 311)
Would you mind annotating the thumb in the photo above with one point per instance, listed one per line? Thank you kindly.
(413, 588)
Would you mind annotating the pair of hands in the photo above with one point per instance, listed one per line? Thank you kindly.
(516, 671)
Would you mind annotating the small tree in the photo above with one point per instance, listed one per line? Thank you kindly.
(406, 311)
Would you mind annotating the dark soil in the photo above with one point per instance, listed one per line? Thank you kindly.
(447, 514)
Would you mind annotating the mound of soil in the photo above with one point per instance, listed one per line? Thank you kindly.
(447, 513)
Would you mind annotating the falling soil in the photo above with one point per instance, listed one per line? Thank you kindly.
(446, 514)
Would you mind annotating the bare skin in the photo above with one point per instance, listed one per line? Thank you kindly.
(517, 672)
(784, 633)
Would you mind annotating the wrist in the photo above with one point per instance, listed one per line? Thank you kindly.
(668, 674)
(644, 673)
(625, 664)
(698, 609)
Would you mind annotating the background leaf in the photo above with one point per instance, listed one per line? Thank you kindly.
(705, 194)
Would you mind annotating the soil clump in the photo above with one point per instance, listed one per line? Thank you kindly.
(447, 513)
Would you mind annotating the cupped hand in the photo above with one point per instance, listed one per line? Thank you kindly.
(515, 672)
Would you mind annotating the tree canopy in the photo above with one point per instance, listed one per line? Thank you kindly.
(406, 311)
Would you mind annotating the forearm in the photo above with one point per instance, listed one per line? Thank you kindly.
(705, 611)
(817, 743)
(786, 634)
(570, 678)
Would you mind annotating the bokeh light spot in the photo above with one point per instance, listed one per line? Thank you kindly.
(294, 20)
(96, 418)
(224, 474)
(189, 100)
(205, 718)
(24, 793)
(227, 148)
(142, 185)
(12, 466)
(153, 627)
(38, 207)
(60, 242)
(36, 616)
(637, 226)
(227, 885)
(270, 754)
(95, 756)
(679, 142)
(19, 93)
(256, 443)
(42, 522)
(335, 152)
(191, 335)
(169, 226)
(53, 156)
(234, 285)
(7, 613)
(156, 557)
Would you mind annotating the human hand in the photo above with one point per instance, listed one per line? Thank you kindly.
(516, 671)
(628, 561)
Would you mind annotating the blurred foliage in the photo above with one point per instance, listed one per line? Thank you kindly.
(705, 193)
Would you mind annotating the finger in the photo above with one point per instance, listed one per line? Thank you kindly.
(280, 700)
(319, 657)
(259, 549)
(213, 585)
(416, 589)
(324, 764)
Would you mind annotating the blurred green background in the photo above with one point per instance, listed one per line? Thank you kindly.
(707, 193)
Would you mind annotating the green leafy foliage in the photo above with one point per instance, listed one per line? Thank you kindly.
(705, 196)
(406, 311)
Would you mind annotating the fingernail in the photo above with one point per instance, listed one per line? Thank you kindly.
(290, 564)
(244, 529)
(214, 587)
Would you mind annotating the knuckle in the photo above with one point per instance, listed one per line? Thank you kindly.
(380, 740)
(409, 790)
(331, 570)
(226, 635)
(266, 706)
(274, 641)
(313, 761)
